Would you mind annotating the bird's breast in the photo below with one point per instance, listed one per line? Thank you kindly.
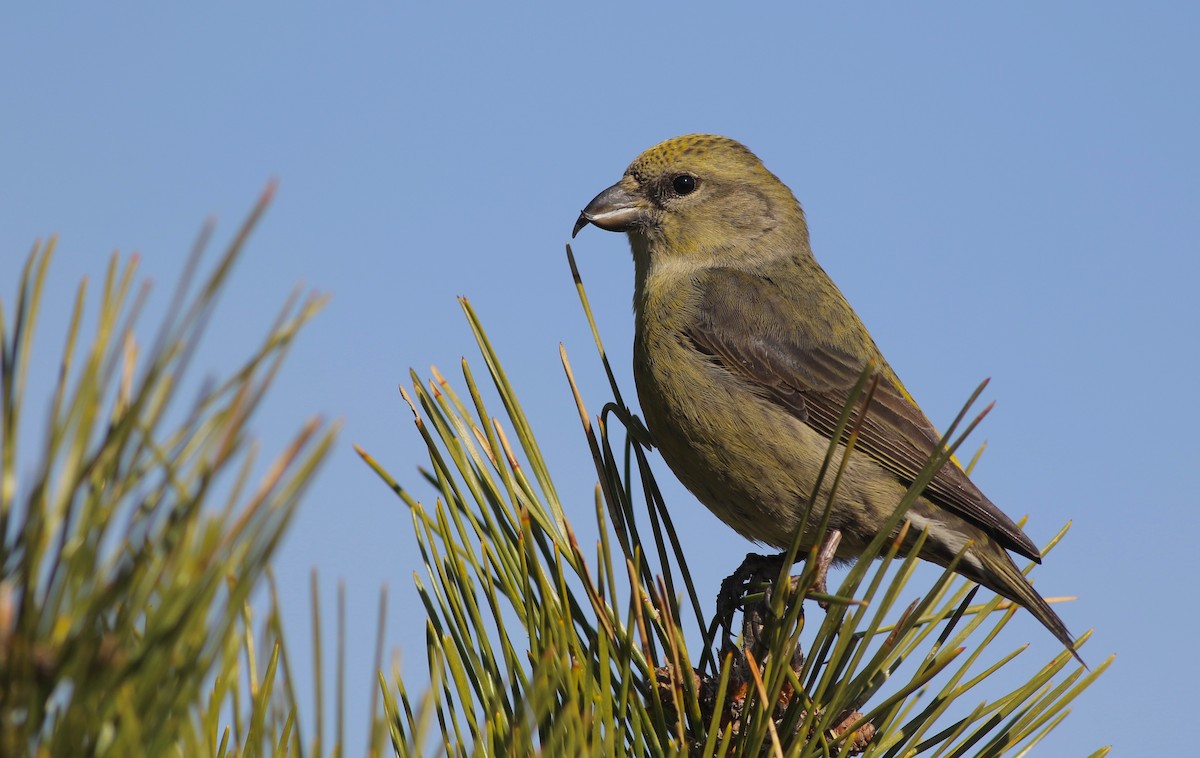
(729, 446)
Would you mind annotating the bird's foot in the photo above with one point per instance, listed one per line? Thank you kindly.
(757, 573)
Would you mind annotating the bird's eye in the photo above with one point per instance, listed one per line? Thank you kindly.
(684, 184)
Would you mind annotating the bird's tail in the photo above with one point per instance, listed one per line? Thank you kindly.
(998, 573)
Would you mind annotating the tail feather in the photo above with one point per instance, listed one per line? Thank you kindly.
(997, 572)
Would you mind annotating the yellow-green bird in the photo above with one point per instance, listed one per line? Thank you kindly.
(745, 354)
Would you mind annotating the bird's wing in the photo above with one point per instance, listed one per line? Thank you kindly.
(737, 327)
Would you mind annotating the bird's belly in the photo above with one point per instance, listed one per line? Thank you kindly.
(750, 462)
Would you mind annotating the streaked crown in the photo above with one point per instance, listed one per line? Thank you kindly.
(706, 149)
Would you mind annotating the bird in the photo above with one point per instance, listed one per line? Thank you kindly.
(745, 353)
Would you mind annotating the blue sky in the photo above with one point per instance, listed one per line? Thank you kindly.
(1008, 192)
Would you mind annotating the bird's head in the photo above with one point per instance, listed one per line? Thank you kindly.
(697, 195)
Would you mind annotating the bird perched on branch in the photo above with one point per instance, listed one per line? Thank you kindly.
(746, 353)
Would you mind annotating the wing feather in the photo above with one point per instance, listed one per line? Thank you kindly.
(740, 328)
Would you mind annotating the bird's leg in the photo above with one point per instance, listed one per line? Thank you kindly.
(824, 560)
(760, 571)
(754, 569)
